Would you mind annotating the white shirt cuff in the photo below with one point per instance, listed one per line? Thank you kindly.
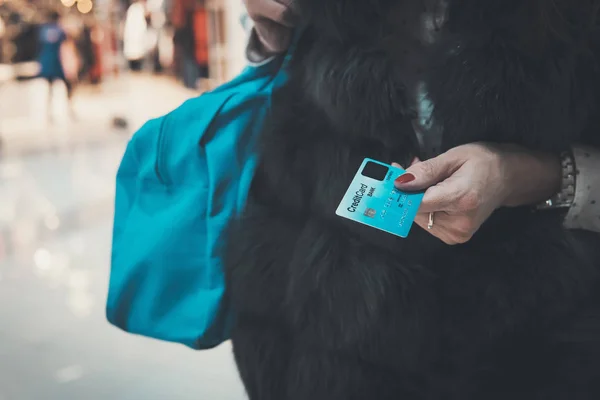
(585, 211)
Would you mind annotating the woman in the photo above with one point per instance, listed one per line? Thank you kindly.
(327, 309)
(466, 184)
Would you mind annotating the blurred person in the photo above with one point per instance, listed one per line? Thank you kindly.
(71, 60)
(85, 46)
(185, 43)
(90, 43)
(135, 35)
(97, 35)
(58, 59)
(25, 40)
(2, 44)
(201, 38)
(156, 22)
(190, 19)
(166, 49)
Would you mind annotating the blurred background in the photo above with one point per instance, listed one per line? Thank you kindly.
(61, 141)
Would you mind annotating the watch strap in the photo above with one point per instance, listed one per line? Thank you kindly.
(566, 195)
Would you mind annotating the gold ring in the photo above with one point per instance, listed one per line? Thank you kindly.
(430, 223)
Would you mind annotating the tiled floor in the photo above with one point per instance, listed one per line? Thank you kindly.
(55, 223)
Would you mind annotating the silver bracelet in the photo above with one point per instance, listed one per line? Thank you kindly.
(566, 196)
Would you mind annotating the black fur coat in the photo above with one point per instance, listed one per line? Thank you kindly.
(328, 309)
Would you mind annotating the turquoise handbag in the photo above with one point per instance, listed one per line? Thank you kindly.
(182, 178)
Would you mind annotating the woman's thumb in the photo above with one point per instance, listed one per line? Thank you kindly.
(424, 174)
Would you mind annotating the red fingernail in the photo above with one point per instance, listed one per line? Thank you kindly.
(405, 178)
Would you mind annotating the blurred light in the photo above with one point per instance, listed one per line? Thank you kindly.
(42, 259)
(79, 280)
(68, 3)
(77, 246)
(24, 232)
(52, 222)
(46, 207)
(69, 374)
(85, 6)
(80, 304)
(59, 273)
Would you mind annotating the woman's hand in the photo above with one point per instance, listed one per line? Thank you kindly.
(467, 183)
(273, 22)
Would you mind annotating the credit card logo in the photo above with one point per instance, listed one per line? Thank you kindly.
(358, 196)
(370, 212)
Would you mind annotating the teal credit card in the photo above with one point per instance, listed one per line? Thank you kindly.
(373, 200)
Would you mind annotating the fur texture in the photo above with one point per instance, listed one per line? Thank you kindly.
(331, 310)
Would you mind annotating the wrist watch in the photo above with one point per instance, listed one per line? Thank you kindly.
(566, 195)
